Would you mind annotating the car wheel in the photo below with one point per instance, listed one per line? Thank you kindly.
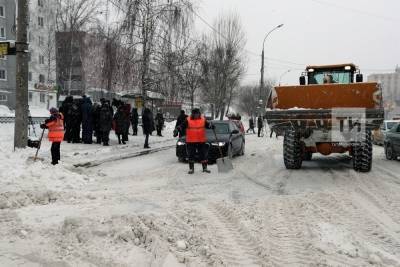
(389, 152)
(243, 149)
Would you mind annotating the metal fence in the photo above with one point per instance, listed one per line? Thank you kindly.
(35, 120)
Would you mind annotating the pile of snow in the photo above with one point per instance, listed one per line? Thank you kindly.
(20, 175)
(39, 111)
(5, 111)
(35, 111)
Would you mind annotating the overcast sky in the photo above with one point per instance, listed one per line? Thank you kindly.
(366, 33)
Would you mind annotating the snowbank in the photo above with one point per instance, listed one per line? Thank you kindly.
(5, 111)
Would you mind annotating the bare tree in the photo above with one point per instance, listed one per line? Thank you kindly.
(248, 97)
(223, 64)
(190, 75)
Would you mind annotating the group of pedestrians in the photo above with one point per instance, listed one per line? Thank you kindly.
(81, 115)
(99, 119)
(260, 125)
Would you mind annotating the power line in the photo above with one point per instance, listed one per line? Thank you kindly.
(362, 12)
(248, 51)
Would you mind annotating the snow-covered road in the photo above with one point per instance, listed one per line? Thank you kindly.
(147, 211)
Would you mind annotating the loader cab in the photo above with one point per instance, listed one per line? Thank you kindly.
(329, 74)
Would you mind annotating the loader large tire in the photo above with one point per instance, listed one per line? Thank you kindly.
(292, 150)
(362, 154)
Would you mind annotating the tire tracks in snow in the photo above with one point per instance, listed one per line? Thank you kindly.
(233, 242)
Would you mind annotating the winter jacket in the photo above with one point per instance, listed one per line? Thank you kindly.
(55, 124)
(180, 120)
(251, 123)
(148, 121)
(159, 119)
(196, 130)
(134, 116)
(87, 119)
(260, 122)
(64, 109)
(105, 117)
(121, 121)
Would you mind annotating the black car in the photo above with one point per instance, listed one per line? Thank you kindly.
(392, 142)
(230, 139)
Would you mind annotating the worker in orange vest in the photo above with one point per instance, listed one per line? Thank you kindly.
(55, 124)
(195, 126)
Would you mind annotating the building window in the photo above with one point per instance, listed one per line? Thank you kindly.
(2, 12)
(3, 75)
(30, 76)
(3, 32)
(41, 41)
(41, 78)
(40, 21)
(42, 98)
(30, 96)
(41, 59)
(3, 98)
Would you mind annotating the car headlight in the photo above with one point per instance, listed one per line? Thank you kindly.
(218, 144)
(180, 143)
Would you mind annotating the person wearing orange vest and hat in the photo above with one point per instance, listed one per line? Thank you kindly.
(55, 124)
(195, 126)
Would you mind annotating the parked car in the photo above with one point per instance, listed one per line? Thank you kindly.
(392, 142)
(230, 139)
(378, 136)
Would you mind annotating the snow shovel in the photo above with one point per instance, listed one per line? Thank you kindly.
(224, 164)
(37, 150)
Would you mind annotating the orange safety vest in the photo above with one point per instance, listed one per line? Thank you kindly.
(56, 129)
(196, 130)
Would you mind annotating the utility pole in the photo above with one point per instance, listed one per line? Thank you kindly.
(21, 95)
(262, 64)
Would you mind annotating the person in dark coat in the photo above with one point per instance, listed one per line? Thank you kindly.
(95, 118)
(87, 121)
(105, 122)
(126, 108)
(251, 125)
(159, 122)
(180, 120)
(75, 116)
(148, 125)
(65, 110)
(121, 124)
(134, 121)
(260, 125)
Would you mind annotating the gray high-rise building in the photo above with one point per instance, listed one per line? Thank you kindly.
(7, 63)
(391, 91)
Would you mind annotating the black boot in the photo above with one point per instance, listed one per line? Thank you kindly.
(191, 167)
(205, 168)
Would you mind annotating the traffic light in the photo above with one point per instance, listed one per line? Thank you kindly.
(7, 49)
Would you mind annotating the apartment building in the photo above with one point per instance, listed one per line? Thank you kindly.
(391, 91)
(7, 63)
(41, 38)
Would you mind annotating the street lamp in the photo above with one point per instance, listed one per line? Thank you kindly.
(262, 58)
(283, 74)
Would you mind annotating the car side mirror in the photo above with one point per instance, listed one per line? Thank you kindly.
(235, 132)
(302, 80)
(359, 78)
